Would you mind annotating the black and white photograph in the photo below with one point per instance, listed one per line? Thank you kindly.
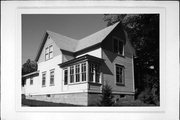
(87, 60)
(90, 60)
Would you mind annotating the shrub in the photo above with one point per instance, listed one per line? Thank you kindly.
(107, 97)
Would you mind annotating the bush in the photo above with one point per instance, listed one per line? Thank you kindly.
(107, 97)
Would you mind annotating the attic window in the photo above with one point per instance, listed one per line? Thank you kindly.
(118, 46)
(49, 52)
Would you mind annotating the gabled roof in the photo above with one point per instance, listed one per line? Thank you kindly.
(72, 45)
(94, 38)
(63, 42)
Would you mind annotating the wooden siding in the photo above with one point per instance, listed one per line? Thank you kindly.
(56, 50)
(108, 42)
(108, 69)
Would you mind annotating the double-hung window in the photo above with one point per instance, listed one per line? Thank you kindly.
(65, 76)
(71, 74)
(52, 77)
(44, 79)
(94, 74)
(49, 52)
(118, 46)
(77, 73)
(120, 75)
(83, 71)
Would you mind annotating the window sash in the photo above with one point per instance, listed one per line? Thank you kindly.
(118, 46)
(65, 77)
(49, 52)
(83, 71)
(77, 73)
(31, 81)
(71, 74)
(94, 73)
(52, 77)
(119, 74)
(43, 79)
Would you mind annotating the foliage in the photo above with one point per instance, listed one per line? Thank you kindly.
(107, 97)
(143, 32)
(150, 94)
(28, 67)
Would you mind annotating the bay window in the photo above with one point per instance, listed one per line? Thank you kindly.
(85, 69)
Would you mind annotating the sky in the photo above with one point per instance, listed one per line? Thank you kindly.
(76, 26)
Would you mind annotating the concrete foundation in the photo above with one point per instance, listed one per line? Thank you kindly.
(86, 99)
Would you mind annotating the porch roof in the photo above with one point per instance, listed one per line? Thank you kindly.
(82, 58)
(31, 74)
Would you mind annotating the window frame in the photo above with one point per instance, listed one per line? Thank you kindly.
(44, 85)
(31, 80)
(48, 52)
(123, 74)
(118, 40)
(66, 69)
(77, 72)
(94, 70)
(52, 84)
(72, 74)
(83, 71)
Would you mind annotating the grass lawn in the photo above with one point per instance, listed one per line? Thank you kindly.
(131, 103)
(36, 103)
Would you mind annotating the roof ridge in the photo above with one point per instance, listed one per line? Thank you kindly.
(59, 34)
(106, 29)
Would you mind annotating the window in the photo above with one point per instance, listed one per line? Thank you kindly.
(31, 81)
(91, 70)
(118, 46)
(97, 73)
(77, 73)
(65, 77)
(83, 71)
(94, 74)
(49, 52)
(119, 74)
(44, 79)
(71, 74)
(52, 77)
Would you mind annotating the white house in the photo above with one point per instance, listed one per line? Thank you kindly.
(73, 71)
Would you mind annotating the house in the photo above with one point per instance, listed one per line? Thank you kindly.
(73, 71)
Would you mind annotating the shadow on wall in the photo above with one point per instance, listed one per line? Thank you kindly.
(109, 58)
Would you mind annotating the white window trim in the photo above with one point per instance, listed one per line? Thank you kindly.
(123, 79)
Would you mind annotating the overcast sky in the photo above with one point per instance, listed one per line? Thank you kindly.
(74, 26)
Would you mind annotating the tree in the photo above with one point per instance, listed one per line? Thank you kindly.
(107, 97)
(143, 31)
(28, 67)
